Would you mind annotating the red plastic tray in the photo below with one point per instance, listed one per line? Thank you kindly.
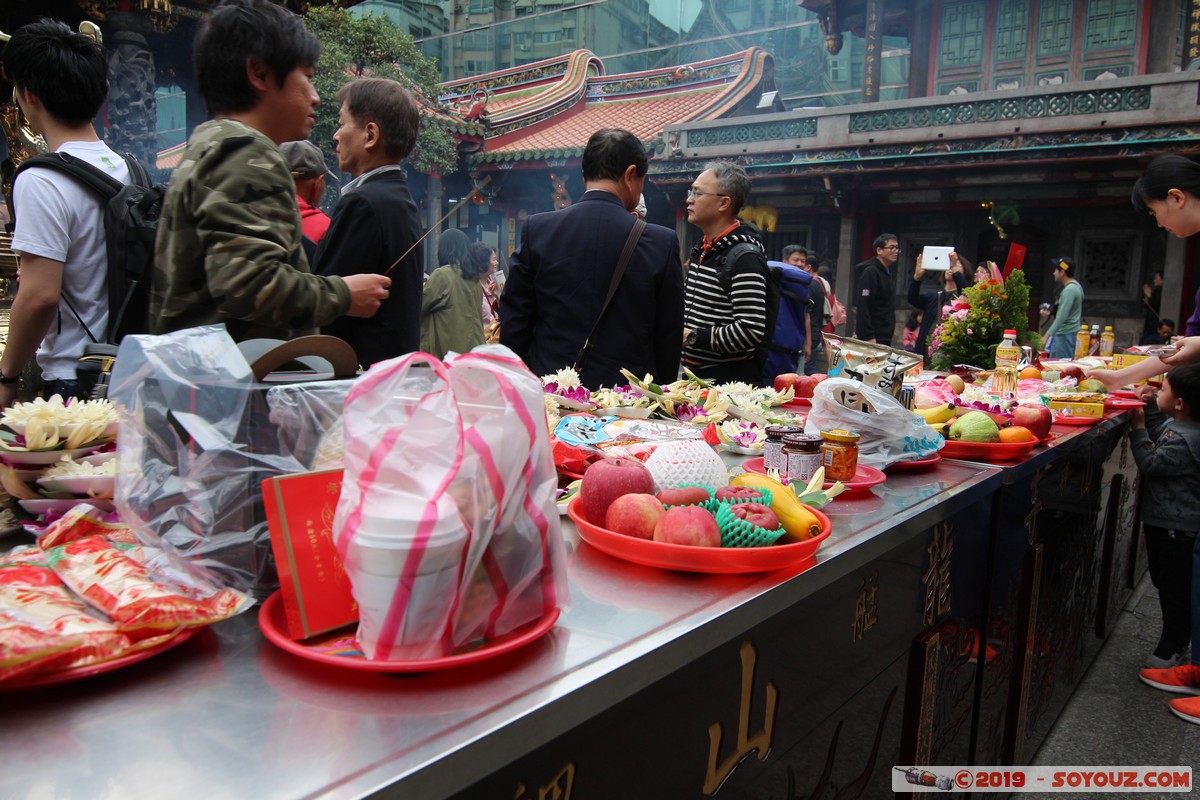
(864, 477)
(724, 560)
(1124, 393)
(1064, 419)
(339, 649)
(30, 680)
(920, 463)
(987, 451)
(1123, 403)
(798, 402)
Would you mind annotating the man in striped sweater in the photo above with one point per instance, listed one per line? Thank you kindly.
(725, 300)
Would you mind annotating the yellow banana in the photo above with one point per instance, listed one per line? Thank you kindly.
(942, 413)
(796, 519)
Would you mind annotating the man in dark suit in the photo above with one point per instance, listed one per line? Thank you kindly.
(376, 221)
(560, 274)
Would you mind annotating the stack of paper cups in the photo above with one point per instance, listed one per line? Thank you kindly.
(404, 568)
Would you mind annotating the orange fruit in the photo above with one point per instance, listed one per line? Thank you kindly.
(1015, 434)
(1030, 372)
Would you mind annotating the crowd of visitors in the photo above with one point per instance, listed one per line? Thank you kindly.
(244, 240)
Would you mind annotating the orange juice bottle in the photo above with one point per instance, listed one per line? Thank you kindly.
(1084, 342)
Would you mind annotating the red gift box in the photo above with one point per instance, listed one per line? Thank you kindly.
(312, 580)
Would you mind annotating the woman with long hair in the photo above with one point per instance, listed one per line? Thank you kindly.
(450, 319)
(1169, 191)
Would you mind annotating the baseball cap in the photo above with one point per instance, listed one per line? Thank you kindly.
(1065, 264)
(304, 158)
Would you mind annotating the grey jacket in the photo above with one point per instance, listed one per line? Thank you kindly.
(1167, 453)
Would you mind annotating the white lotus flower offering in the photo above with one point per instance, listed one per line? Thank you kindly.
(687, 462)
(70, 468)
(55, 423)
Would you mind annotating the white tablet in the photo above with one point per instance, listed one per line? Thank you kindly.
(936, 258)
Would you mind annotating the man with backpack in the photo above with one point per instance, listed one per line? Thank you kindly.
(818, 295)
(60, 80)
(790, 337)
(727, 317)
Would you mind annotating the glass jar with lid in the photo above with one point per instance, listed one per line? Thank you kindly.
(773, 446)
(839, 454)
(801, 457)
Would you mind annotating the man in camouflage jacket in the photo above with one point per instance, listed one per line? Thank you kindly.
(229, 242)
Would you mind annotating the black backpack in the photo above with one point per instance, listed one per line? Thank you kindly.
(131, 214)
(774, 281)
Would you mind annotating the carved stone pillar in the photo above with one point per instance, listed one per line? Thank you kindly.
(132, 117)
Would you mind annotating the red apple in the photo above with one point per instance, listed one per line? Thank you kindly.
(608, 479)
(1034, 416)
(683, 496)
(690, 525)
(784, 380)
(806, 385)
(756, 514)
(820, 376)
(738, 493)
(634, 515)
(1071, 371)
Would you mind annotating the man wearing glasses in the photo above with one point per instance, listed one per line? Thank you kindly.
(725, 297)
(875, 313)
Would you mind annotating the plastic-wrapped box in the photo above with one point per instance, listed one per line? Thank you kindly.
(198, 435)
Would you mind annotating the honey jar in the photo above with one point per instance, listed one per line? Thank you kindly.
(839, 454)
(801, 457)
(773, 446)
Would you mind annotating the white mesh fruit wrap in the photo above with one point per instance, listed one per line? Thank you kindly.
(680, 463)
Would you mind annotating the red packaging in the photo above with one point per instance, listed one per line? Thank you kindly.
(79, 523)
(43, 626)
(313, 583)
(112, 578)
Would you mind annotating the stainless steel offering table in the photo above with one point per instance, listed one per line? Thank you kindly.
(1064, 560)
(653, 684)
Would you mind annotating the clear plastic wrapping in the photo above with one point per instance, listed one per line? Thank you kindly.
(198, 436)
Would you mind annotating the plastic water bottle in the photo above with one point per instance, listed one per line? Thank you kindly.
(1094, 342)
(1008, 357)
(1108, 341)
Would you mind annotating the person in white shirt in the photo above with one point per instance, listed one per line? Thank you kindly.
(60, 80)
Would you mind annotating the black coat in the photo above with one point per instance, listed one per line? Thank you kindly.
(875, 302)
(372, 226)
(557, 281)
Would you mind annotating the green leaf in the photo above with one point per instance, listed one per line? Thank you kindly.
(354, 47)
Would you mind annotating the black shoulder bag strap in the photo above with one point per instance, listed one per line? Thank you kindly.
(100, 183)
(636, 233)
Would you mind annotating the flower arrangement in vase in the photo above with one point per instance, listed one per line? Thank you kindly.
(974, 323)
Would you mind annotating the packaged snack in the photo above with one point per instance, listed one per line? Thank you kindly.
(112, 578)
(44, 627)
(872, 364)
(24, 647)
(81, 522)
